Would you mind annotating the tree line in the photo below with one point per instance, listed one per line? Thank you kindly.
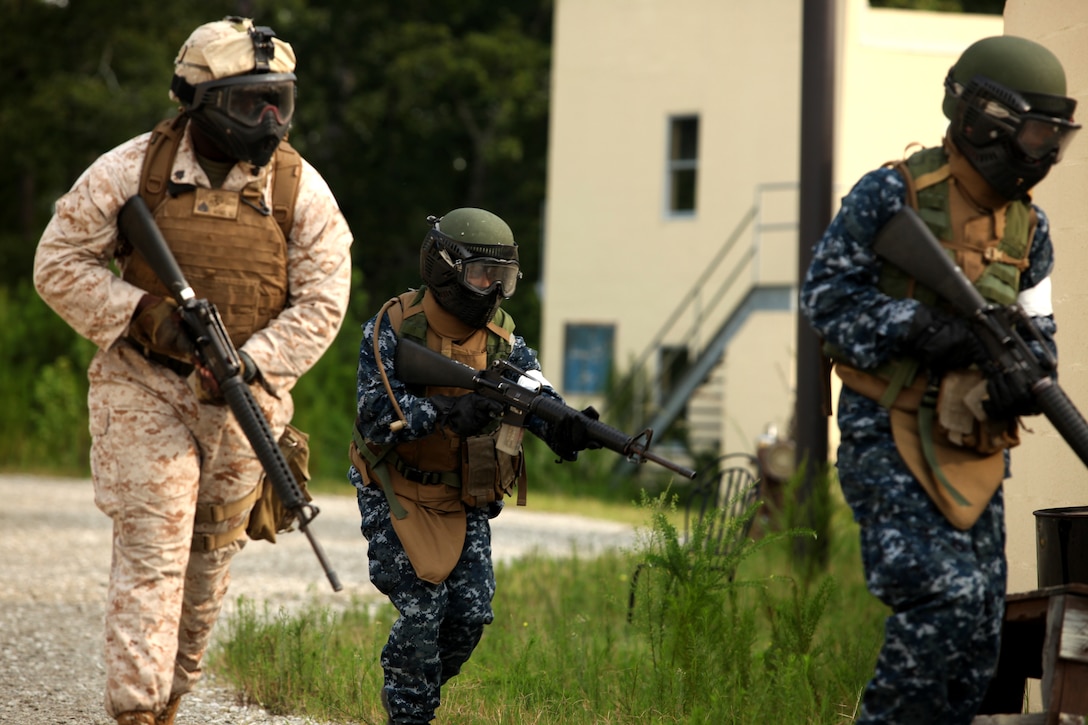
(406, 107)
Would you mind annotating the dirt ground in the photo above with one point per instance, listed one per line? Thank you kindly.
(54, 565)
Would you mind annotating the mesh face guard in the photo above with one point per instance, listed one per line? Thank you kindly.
(995, 114)
(246, 99)
(476, 267)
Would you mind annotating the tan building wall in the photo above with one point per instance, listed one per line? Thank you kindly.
(1046, 473)
(613, 255)
(621, 69)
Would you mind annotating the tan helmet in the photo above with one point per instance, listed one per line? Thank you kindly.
(222, 49)
(236, 82)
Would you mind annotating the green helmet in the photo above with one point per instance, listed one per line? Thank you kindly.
(469, 261)
(1005, 98)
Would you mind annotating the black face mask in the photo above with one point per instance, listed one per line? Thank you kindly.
(1011, 145)
(245, 116)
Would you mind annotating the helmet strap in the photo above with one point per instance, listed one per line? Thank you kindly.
(183, 89)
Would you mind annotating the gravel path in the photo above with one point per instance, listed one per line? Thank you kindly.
(54, 564)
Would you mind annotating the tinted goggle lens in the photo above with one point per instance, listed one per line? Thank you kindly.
(246, 100)
(248, 104)
(481, 275)
(1039, 137)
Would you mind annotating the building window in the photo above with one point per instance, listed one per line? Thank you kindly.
(587, 359)
(683, 163)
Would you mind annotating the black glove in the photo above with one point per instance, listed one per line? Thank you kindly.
(466, 415)
(943, 342)
(571, 434)
(1008, 397)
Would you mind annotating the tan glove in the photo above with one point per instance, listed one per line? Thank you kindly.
(157, 326)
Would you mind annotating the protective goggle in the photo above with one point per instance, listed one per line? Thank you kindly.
(995, 113)
(481, 274)
(476, 271)
(247, 98)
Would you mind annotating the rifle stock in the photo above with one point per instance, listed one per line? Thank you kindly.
(419, 365)
(908, 243)
(215, 351)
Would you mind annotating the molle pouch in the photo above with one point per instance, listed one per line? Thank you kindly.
(961, 421)
(480, 471)
(269, 516)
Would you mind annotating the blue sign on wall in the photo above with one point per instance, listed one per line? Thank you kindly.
(587, 358)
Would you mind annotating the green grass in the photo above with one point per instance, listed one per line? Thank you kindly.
(774, 642)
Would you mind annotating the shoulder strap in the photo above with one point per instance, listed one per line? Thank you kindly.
(159, 159)
(285, 185)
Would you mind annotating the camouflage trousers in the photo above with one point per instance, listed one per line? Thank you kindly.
(945, 587)
(155, 453)
(439, 624)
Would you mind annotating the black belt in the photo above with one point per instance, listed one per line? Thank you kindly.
(427, 478)
(181, 368)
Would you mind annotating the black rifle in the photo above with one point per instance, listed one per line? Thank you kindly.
(419, 365)
(217, 353)
(908, 243)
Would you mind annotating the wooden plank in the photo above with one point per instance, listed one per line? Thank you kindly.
(1074, 643)
(1052, 680)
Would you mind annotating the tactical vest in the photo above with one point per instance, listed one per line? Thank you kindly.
(990, 246)
(230, 245)
(428, 482)
(441, 450)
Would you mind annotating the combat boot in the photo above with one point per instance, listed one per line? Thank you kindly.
(385, 704)
(166, 717)
(136, 717)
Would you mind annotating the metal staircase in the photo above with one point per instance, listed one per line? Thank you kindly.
(732, 288)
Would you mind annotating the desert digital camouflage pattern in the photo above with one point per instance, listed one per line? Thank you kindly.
(156, 450)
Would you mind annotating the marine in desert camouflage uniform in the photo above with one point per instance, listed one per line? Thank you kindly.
(163, 441)
(944, 583)
(408, 457)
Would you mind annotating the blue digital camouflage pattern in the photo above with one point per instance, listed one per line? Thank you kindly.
(376, 410)
(439, 624)
(945, 587)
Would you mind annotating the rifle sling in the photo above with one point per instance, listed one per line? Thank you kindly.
(926, 412)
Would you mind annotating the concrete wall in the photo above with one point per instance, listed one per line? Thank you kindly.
(1046, 473)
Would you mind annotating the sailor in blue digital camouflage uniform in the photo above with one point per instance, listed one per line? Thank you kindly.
(429, 536)
(936, 561)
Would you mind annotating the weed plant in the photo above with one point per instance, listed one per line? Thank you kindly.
(748, 638)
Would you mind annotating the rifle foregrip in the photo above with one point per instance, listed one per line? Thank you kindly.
(1065, 417)
(553, 411)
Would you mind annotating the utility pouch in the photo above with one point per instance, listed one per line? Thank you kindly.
(961, 421)
(269, 516)
(479, 471)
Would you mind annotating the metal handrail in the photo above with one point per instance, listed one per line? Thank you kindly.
(690, 298)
